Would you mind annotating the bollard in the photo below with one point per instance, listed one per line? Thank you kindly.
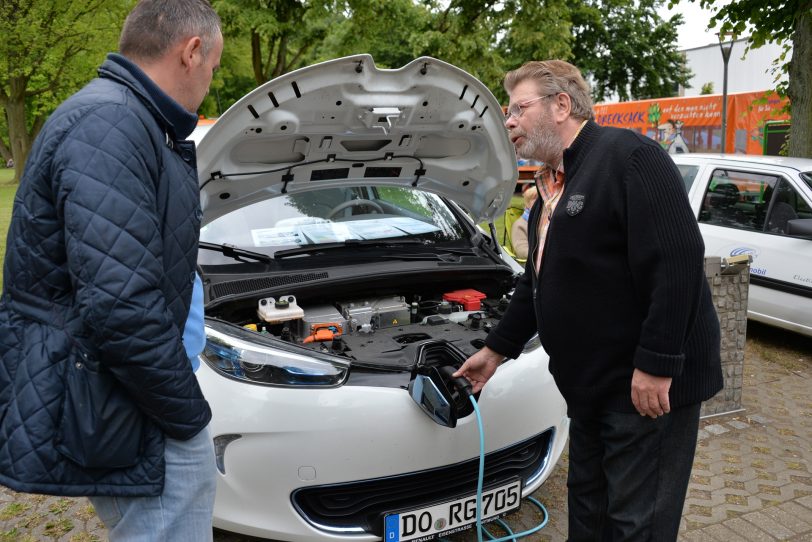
(729, 279)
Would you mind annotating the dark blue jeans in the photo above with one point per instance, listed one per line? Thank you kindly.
(628, 475)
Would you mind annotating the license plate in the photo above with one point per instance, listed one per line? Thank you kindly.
(451, 516)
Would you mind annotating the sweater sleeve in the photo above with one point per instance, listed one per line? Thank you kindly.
(665, 255)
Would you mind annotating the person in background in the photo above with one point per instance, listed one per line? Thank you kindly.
(518, 231)
(97, 393)
(615, 287)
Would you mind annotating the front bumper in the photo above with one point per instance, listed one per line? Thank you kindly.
(295, 439)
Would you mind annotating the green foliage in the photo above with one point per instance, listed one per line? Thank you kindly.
(233, 80)
(628, 49)
(7, 192)
(54, 46)
(49, 49)
(622, 45)
(365, 26)
(281, 33)
(773, 24)
(707, 88)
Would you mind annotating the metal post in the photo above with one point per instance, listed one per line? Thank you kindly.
(726, 50)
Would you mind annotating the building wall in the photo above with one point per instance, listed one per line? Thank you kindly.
(743, 74)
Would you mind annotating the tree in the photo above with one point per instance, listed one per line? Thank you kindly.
(461, 32)
(707, 88)
(789, 23)
(49, 49)
(628, 49)
(281, 33)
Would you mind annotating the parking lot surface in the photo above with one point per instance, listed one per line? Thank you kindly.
(751, 480)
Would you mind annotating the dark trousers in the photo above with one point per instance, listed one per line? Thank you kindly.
(628, 475)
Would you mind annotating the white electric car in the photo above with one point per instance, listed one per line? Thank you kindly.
(345, 279)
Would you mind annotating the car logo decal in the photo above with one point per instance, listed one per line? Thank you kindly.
(575, 204)
(738, 251)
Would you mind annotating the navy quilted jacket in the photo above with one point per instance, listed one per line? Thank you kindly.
(97, 283)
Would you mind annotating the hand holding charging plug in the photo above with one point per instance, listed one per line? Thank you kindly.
(480, 367)
(461, 383)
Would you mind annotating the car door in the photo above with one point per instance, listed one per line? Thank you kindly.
(748, 210)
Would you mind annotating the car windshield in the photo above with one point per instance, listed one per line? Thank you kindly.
(807, 177)
(336, 215)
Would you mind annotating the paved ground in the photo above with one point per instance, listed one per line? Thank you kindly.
(751, 479)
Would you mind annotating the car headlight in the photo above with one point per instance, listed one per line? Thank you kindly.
(250, 357)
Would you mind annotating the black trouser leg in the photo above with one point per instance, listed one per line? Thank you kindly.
(628, 475)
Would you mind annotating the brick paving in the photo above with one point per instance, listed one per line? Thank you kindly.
(751, 481)
(752, 475)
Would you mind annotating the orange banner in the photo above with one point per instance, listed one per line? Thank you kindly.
(694, 124)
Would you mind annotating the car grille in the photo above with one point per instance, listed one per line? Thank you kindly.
(359, 507)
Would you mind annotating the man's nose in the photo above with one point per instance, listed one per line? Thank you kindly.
(510, 122)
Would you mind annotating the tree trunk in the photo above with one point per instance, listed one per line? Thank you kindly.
(18, 135)
(5, 152)
(800, 81)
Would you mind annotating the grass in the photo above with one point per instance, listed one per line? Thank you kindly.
(7, 191)
(791, 351)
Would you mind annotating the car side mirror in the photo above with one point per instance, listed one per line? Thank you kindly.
(800, 227)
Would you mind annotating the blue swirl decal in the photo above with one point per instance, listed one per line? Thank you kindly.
(744, 250)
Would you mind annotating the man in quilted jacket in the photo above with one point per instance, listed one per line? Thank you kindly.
(97, 395)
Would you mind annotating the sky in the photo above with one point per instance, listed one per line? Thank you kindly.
(693, 32)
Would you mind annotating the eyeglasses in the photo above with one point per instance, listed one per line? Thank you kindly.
(516, 110)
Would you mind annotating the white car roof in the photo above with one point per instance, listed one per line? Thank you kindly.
(801, 164)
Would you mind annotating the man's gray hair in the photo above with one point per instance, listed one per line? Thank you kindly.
(153, 27)
(554, 76)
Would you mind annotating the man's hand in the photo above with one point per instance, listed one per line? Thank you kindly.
(650, 394)
(479, 368)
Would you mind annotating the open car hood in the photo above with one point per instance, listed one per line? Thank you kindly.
(345, 122)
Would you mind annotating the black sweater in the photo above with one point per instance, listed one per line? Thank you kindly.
(622, 281)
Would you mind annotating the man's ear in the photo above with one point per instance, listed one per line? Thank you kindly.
(563, 106)
(192, 52)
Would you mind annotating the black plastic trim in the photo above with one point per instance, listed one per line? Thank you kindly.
(781, 286)
(359, 507)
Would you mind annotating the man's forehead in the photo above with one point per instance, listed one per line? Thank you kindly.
(524, 90)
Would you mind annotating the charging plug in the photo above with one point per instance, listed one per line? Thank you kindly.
(460, 383)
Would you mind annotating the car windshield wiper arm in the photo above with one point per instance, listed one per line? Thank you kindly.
(349, 243)
(239, 254)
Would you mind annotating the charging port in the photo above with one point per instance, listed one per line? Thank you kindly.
(441, 396)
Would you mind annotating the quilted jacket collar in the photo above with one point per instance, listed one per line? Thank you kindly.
(177, 120)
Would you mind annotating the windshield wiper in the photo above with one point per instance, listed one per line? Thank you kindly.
(311, 249)
(392, 248)
(235, 252)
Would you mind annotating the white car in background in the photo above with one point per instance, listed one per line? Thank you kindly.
(761, 206)
(343, 282)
